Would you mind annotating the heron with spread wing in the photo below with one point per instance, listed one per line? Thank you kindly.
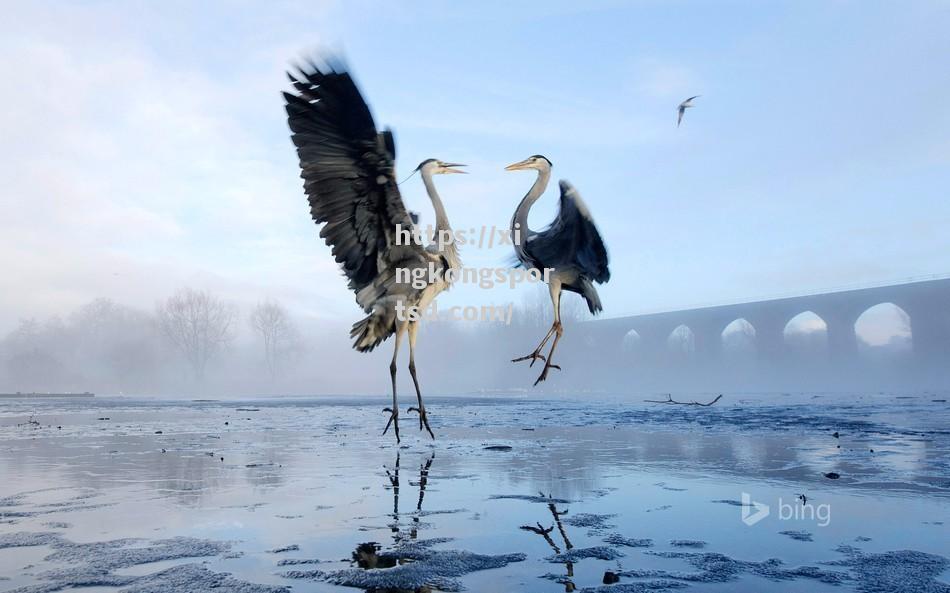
(348, 168)
(571, 246)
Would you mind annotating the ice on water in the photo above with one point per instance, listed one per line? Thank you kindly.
(264, 496)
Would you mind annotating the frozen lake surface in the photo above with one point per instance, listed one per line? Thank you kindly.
(176, 496)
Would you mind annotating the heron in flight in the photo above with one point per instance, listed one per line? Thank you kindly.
(681, 110)
(348, 170)
(571, 246)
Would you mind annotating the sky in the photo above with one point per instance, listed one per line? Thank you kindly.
(145, 147)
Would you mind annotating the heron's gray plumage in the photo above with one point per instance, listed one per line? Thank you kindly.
(570, 249)
(349, 177)
(572, 245)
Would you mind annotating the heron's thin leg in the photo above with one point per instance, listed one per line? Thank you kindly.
(394, 411)
(555, 288)
(534, 356)
(423, 419)
(559, 330)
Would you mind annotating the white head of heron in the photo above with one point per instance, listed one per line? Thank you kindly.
(437, 167)
(537, 162)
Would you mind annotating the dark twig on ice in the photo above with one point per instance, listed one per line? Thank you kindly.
(669, 400)
(31, 422)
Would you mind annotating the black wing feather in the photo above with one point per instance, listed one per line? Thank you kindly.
(348, 170)
(572, 240)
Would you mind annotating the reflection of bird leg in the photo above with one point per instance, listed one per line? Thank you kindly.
(534, 356)
(394, 483)
(558, 331)
(423, 482)
(423, 419)
(545, 533)
(569, 566)
(394, 411)
(560, 525)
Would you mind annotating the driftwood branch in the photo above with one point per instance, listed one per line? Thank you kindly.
(669, 400)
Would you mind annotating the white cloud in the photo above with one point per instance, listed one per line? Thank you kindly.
(663, 79)
(128, 176)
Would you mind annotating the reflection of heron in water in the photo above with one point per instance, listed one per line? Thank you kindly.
(569, 585)
(369, 555)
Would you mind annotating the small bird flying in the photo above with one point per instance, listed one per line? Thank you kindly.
(683, 107)
(571, 246)
(348, 168)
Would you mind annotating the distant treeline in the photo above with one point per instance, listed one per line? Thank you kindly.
(197, 342)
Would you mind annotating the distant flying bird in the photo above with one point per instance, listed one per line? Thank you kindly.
(683, 107)
(571, 245)
(348, 170)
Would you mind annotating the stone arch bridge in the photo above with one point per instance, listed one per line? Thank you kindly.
(925, 302)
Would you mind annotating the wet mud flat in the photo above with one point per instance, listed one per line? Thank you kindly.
(118, 494)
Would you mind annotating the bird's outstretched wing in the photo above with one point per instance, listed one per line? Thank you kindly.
(348, 170)
(572, 240)
(682, 109)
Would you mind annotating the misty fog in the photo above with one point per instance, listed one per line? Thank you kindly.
(194, 343)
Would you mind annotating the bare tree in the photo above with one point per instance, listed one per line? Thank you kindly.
(278, 333)
(198, 324)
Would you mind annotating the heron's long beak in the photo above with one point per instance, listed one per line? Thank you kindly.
(448, 168)
(517, 166)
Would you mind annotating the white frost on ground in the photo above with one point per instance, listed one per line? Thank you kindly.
(718, 568)
(439, 569)
(800, 536)
(94, 565)
(687, 543)
(578, 554)
(616, 539)
(595, 524)
(903, 571)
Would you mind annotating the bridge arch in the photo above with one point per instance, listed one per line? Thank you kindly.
(806, 332)
(631, 342)
(738, 338)
(884, 329)
(681, 341)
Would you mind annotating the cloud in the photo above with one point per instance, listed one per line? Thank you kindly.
(663, 79)
(129, 175)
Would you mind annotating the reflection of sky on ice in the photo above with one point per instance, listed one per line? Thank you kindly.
(316, 474)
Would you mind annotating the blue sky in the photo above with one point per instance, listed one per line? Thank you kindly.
(146, 145)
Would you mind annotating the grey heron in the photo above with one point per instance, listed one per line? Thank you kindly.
(571, 246)
(681, 110)
(348, 168)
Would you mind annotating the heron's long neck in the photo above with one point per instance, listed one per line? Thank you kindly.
(519, 221)
(441, 220)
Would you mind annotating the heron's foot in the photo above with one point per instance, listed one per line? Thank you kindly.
(533, 357)
(394, 420)
(423, 419)
(544, 373)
